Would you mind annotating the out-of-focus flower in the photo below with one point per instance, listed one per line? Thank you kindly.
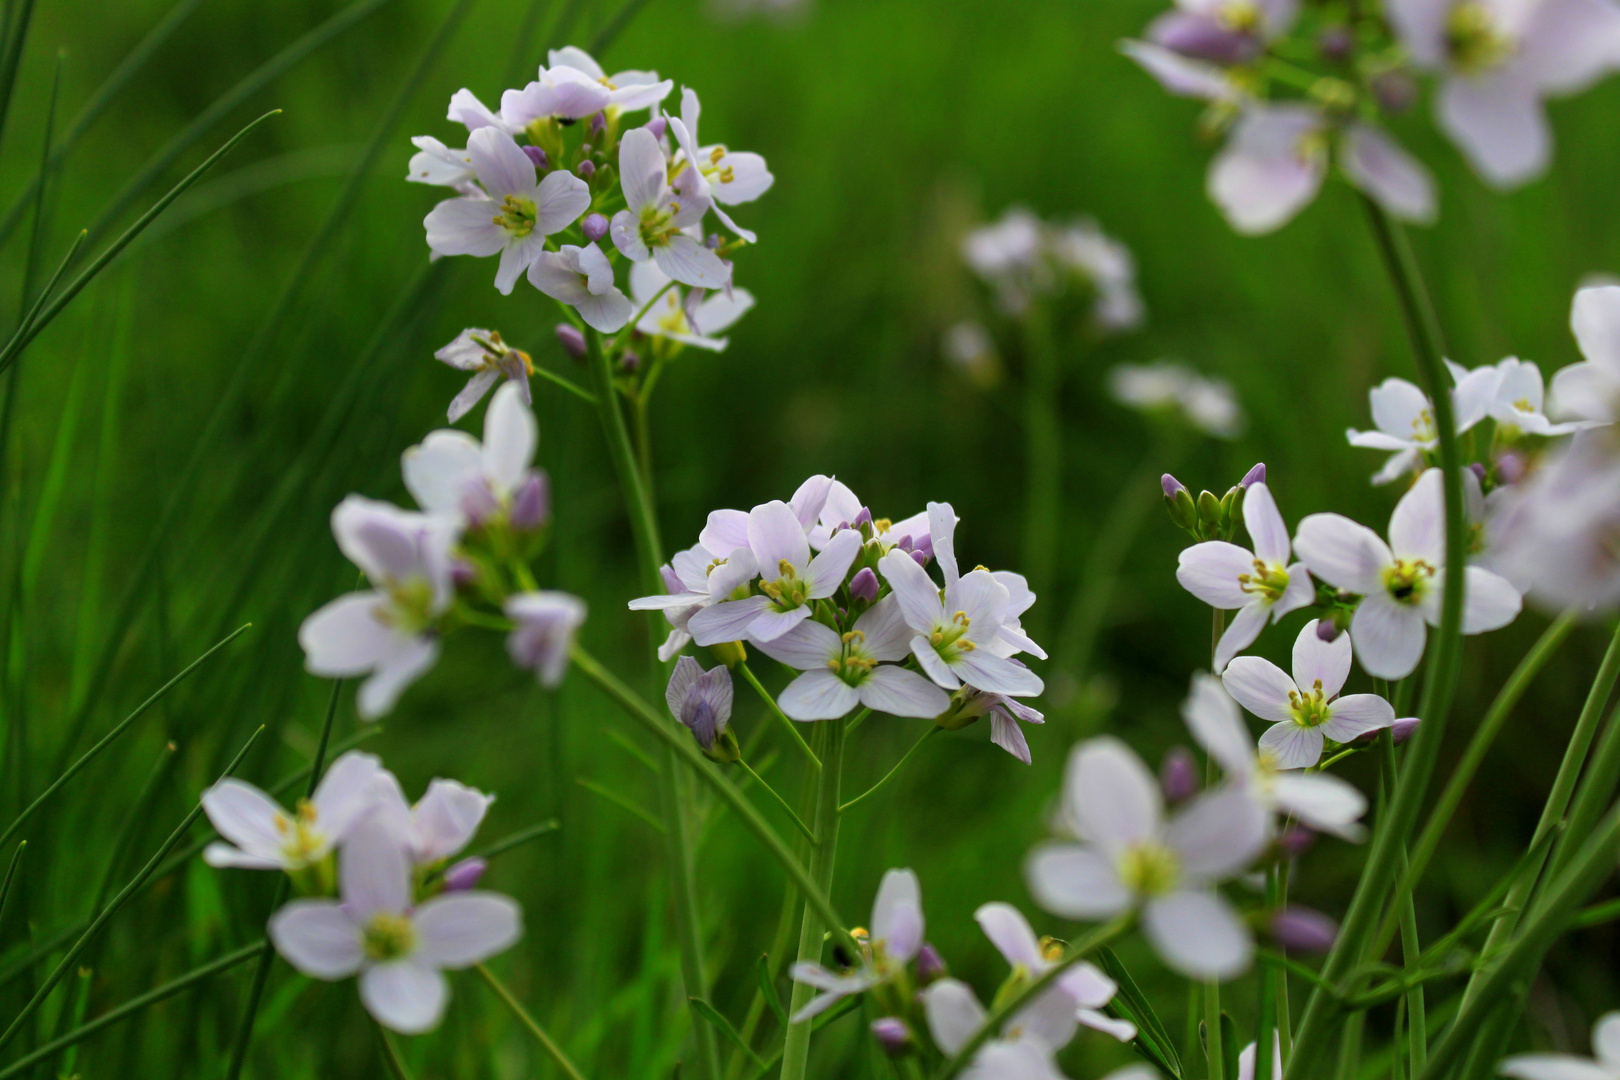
(1556, 535)
(651, 226)
(1023, 257)
(439, 825)
(453, 475)
(695, 318)
(967, 345)
(1207, 404)
(700, 700)
(546, 624)
(1591, 391)
(1305, 710)
(627, 91)
(896, 937)
(388, 631)
(263, 836)
(399, 950)
(483, 353)
(1604, 1065)
(582, 277)
(1303, 930)
(1084, 249)
(1400, 582)
(1517, 403)
(1260, 584)
(516, 216)
(1246, 1060)
(1129, 856)
(1499, 59)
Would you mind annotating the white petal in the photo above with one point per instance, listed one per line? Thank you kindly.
(775, 536)
(1241, 632)
(1421, 25)
(510, 436)
(1270, 169)
(826, 571)
(318, 938)
(502, 167)
(1180, 75)
(1552, 1067)
(770, 624)
(1499, 123)
(1075, 881)
(1356, 714)
(1260, 686)
(446, 819)
(222, 856)
(897, 917)
(1291, 746)
(1210, 572)
(1111, 798)
(1301, 592)
(996, 674)
(561, 198)
(1342, 553)
(1088, 986)
(626, 233)
(436, 470)
(1011, 934)
(1569, 44)
(346, 793)
(471, 394)
(1491, 602)
(396, 672)
(691, 263)
(1321, 801)
(347, 636)
(1005, 733)
(1595, 319)
(374, 872)
(1123, 1030)
(1401, 410)
(727, 621)
(1382, 168)
(1218, 834)
(247, 817)
(933, 665)
(898, 692)
(942, 534)
(916, 593)
(464, 227)
(641, 170)
(818, 695)
(1388, 636)
(887, 635)
(1213, 718)
(1417, 528)
(1317, 661)
(954, 1013)
(404, 996)
(1198, 935)
(807, 647)
(457, 930)
(1265, 524)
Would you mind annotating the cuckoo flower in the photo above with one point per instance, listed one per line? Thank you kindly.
(691, 319)
(1081, 992)
(546, 622)
(1325, 803)
(388, 631)
(1129, 856)
(1554, 535)
(1591, 391)
(843, 509)
(656, 214)
(700, 700)
(627, 91)
(1186, 76)
(1231, 31)
(437, 164)
(729, 177)
(789, 579)
(1208, 405)
(466, 109)
(896, 938)
(452, 474)
(516, 216)
(1404, 418)
(1260, 584)
(398, 950)
(968, 704)
(483, 353)
(1305, 710)
(697, 579)
(1518, 405)
(263, 836)
(727, 530)
(843, 671)
(1025, 1049)
(582, 277)
(1499, 59)
(1401, 581)
(439, 825)
(1605, 1048)
(1010, 638)
(1106, 266)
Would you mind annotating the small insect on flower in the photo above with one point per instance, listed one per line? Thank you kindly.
(398, 948)
(263, 836)
(483, 353)
(895, 938)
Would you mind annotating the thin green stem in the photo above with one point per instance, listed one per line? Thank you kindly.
(792, 728)
(522, 836)
(1404, 908)
(787, 808)
(567, 384)
(1214, 1048)
(891, 774)
(568, 1067)
(390, 1054)
(858, 719)
(796, 1041)
(1266, 1015)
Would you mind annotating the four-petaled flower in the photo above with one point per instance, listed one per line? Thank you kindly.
(1404, 418)
(700, 700)
(689, 318)
(266, 837)
(439, 825)
(728, 177)
(483, 353)
(582, 277)
(894, 941)
(657, 213)
(1081, 992)
(547, 621)
(453, 475)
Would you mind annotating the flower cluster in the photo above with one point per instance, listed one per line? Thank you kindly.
(378, 895)
(1023, 258)
(1174, 390)
(460, 560)
(582, 175)
(1304, 87)
(846, 599)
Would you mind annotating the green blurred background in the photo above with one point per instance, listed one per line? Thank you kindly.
(891, 126)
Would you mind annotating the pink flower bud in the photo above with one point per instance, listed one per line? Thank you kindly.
(531, 506)
(630, 362)
(1171, 486)
(1256, 475)
(598, 125)
(595, 226)
(657, 126)
(464, 875)
(1178, 775)
(462, 573)
(1402, 729)
(1327, 630)
(864, 585)
(587, 169)
(536, 155)
(1296, 841)
(1510, 468)
(1336, 44)
(1203, 37)
(573, 342)
(1303, 929)
(930, 965)
(1395, 91)
(892, 1034)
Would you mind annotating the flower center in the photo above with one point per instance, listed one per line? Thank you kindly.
(1269, 580)
(657, 228)
(301, 841)
(1473, 41)
(410, 606)
(1149, 869)
(517, 215)
(852, 664)
(1241, 16)
(389, 937)
(789, 591)
(1310, 708)
(1408, 580)
(947, 638)
(1423, 429)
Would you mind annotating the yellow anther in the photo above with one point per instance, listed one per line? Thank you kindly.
(716, 154)
(853, 635)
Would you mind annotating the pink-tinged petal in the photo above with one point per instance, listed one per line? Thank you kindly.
(396, 672)
(1122, 1030)
(1417, 528)
(436, 471)
(1218, 834)
(1241, 632)
(1356, 714)
(1270, 169)
(1421, 26)
(818, 695)
(1491, 602)
(502, 167)
(633, 97)
(347, 636)
(1075, 882)
(518, 256)
(464, 227)
(982, 600)
(471, 394)
(776, 537)
(558, 276)
(1567, 45)
(954, 1014)
(887, 635)
(1321, 801)
(1198, 935)
(826, 571)
(1595, 319)
(1005, 733)
(1301, 592)
(933, 666)
(691, 263)
(996, 674)
(223, 856)
(1401, 410)
(346, 793)
(572, 56)
(1045, 1024)
(1265, 524)
(1011, 934)
(641, 169)
(809, 500)
(897, 916)
(562, 197)
(405, 996)
(607, 313)
(446, 819)
(457, 930)
(1110, 797)
(898, 692)
(914, 590)
(465, 108)
(726, 621)
(318, 938)
(510, 437)
(942, 534)
(626, 232)
(731, 226)
(1388, 636)
(1087, 986)
(738, 569)
(807, 646)
(1381, 167)
(247, 817)
(1210, 572)
(1180, 75)
(1318, 662)
(1261, 687)
(1213, 718)
(374, 872)
(1498, 122)
(1290, 746)
(771, 624)
(725, 530)
(1342, 553)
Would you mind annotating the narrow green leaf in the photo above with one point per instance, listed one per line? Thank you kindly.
(622, 802)
(1229, 1045)
(767, 989)
(1143, 1016)
(11, 60)
(723, 1026)
(522, 836)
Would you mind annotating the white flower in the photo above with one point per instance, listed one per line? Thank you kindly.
(452, 474)
(266, 837)
(1185, 76)
(516, 216)
(1010, 638)
(1208, 404)
(1554, 535)
(1591, 391)
(1129, 856)
(627, 91)
(841, 509)
(1323, 802)
(1023, 1052)
(466, 109)
(1400, 582)
(1258, 584)
(1081, 992)
(696, 579)
(398, 950)
(1605, 1047)
(841, 672)
(729, 177)
(437, 164)
(1404, 418)
(483, 353)
(896, 938)
(389, 630)
(1500, 58)
(575, 87)
(546, 624)
(1104, 263)
(1005, 715)
(656, 213)
(727, 530)
(582, 277)
(1307, 708)
(1517, 406)
(789, 579)
(439, 825)
(689, 318)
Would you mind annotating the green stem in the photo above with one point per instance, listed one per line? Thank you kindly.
(1590, 798)
(792, 728)
(1266, 1014)
(1406, 911)
(1214, 1044)
(1393, 828)
(892, 773)
(783, 803)
(568, 1067)
(796, 1042)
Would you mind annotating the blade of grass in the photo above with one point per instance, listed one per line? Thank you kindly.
(629, 806)
(568, 1067)
(132, 818)
(723, 1026)
(11, 60)
(522, 836)
(113, 906)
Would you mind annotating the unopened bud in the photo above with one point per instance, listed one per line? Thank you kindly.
(531, 506)
(1178, 775)
(587, 169)
(930, 965)
(598, 124)
(1256, 475)
(1478, 470)
(1336, 44)
(657, 126)
(536, 155)
(462, 573)
(1395, 91)
(1296, 841)
(1303, 929)
(595, 227)
(1179, 502)
(573, 342)
(920, 559)
(1510, 468)
(1171, 486)
(1209, 513)
(729, 653)
(630, 362)
(892, 1034)
(1203, 38)
(1402, 729)
(714, 241)
(1327, 630)
(864, 585)
(464, 875)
